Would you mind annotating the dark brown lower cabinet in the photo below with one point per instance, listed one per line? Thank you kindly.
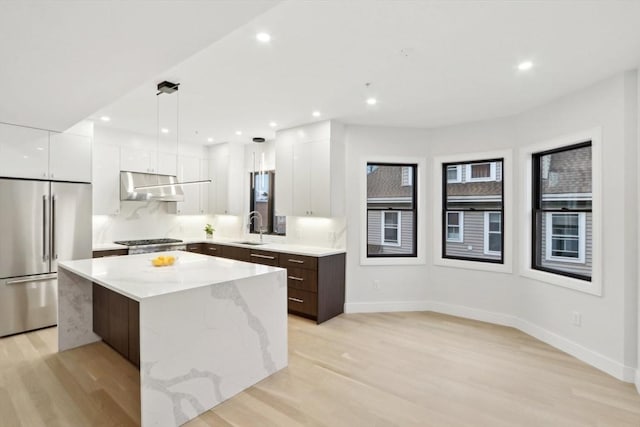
(116, 320)
(315, 285)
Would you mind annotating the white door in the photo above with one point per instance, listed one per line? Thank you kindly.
(106, 179)
(69, 157)
(189, 170)
(136, 160)
(320, 179)
(24, 152)
(302, 164)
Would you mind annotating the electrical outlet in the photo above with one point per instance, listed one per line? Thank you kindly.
(576, 318)
(376, 284)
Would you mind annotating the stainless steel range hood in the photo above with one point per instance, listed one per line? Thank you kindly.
(131, 184)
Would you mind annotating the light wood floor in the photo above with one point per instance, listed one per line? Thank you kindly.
(391, 369)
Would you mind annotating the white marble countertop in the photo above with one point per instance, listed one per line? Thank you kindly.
(267, 246)
(135, 277)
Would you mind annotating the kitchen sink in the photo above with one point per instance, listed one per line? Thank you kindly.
(250, 243)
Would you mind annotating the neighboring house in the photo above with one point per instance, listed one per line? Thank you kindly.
(473, 222)
(390, 230)
(566, 237)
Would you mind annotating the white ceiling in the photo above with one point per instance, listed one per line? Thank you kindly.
(62, 60)
(430, 63)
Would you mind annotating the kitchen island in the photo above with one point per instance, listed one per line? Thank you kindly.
(208, 327)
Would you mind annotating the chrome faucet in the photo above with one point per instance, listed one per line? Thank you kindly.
(252, 216)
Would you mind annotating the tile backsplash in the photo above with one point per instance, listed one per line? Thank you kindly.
(138, 220)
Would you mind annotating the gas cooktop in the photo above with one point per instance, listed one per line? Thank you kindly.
(147, 242)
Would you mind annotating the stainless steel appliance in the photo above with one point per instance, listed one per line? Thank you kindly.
(41, 223)
(152, 245)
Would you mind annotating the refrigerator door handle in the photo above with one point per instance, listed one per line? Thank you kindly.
(44, 228)
(41, 278)
(54, 252)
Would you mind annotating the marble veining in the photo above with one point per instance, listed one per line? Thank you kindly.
(75, 311)
(230, 291)
(178, 397)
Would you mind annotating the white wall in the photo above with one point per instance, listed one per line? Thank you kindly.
(609, 331)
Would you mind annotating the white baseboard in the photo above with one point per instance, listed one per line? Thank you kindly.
(386, 306)
(595, 359)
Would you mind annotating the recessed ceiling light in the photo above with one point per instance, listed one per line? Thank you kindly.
(525, 65)
(238, 132)
(209, 139)
(105, 118)
(273, 124)
(372, 101)
(164, 130)
(316, 114)
(263, 37)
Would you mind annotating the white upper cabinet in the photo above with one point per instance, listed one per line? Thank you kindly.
(24, 152)
(39, 154)
(310, 170)
(148, 161)
(192, 168)
(189, 170)
(106, 179)
(226, 172)
(69, 157)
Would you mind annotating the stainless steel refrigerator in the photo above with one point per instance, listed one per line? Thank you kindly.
(41, 223)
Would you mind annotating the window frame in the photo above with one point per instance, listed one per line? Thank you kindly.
(414, 209)
(398, 228)
(460, 226)
(487, 232)
(537, 211)
(270, 229)
(444, 180)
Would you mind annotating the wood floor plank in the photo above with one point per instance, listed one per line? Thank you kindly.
(380, 369)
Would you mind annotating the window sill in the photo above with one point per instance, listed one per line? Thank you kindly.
(473, 265)
(594, 287)
(393, 261)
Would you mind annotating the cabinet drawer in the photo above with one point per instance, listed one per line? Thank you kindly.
(194, 247)
(108, 253)
(305, 280)
(302, 302)
(263, 257)
(212, 249)
(233, 252)
(298, 261)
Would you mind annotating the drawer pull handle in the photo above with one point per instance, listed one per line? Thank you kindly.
(296, 300)
(213, 249)
(263, 256)
(297, 261)
(296, 278)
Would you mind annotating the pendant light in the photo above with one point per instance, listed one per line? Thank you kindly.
(167, 87)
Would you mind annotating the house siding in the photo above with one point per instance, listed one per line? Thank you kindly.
(473, 235)
(570, 267)
(374, 227)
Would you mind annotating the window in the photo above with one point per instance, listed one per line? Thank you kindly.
(391, 228)
(480, 172)
(492, 233)
(262, 201)
(455, 226)
(407, 176)
(454, 173)
(472, 214)
(566, 236)
(391, 210)
(562, 199)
